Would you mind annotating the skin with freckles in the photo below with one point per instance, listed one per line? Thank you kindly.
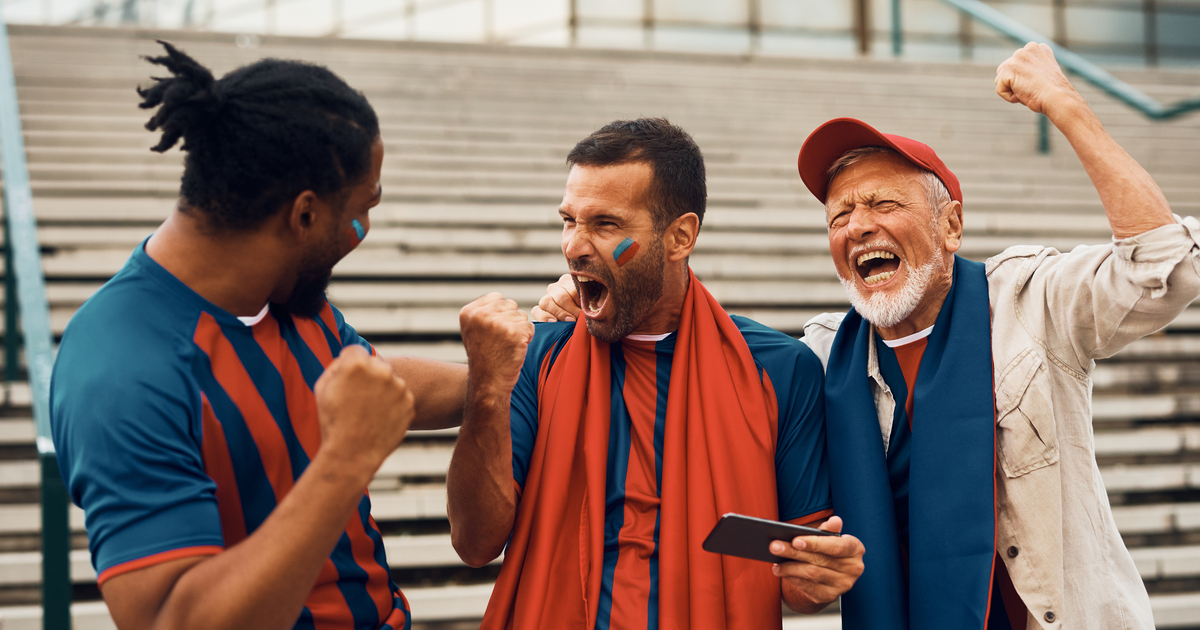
(878, 204)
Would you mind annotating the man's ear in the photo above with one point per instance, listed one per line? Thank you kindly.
(302, 215)
(951, 224)
(679, 238)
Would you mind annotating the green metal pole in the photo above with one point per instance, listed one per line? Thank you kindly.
(56, 547)
(897, 35)
(1043, 134)
(12, 335)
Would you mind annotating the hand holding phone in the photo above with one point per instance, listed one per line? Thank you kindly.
(749, 537)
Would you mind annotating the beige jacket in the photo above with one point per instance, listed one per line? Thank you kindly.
(1053, 315)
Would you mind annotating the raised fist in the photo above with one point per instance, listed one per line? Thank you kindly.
(364, 409)
(561, 302)
(495, 334)
(1031, 76)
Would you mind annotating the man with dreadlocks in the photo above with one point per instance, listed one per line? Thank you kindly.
(214, 415)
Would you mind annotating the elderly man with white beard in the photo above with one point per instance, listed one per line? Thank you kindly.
(988, 510)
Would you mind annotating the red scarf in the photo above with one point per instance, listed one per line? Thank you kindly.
(718, 457)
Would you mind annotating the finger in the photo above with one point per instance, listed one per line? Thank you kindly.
(832, 546)
(539, 314)
(832, 524)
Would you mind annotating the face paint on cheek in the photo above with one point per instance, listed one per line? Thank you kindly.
(624, 252)
(359, 232)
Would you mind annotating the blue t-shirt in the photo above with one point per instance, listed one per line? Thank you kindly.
(179, 428)
(641, 375)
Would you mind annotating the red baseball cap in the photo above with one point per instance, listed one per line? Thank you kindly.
(833, 139)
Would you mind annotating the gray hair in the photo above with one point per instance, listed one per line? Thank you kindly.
(936, 194)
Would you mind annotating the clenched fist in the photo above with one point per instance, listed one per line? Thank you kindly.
(1032, 77)
(364, 409)
(495, 334)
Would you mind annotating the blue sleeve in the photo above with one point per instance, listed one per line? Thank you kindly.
(548, 339)
(347, 334)
(801, 472)
(127, 428)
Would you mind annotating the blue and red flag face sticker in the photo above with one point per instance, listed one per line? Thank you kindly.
(359, 232)
(625, 251)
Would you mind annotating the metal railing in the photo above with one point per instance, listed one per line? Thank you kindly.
(1072, 62)
(25, 300)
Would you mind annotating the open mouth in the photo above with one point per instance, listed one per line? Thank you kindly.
(877, 266)
(593, 295)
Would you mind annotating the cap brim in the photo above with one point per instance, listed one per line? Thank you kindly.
(831, 141)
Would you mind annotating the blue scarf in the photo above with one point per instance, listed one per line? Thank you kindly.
(951, 478)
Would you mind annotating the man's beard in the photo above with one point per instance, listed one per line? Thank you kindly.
(632, 296)
(885, 311)
(308, 295)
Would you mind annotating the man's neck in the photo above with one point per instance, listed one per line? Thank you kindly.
(664, 315)
(230, 269)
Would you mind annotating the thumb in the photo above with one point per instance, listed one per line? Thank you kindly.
(834, 524)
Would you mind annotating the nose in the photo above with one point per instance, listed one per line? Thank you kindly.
(576, 244)
(862, 223)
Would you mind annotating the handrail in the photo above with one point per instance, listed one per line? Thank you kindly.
(1090, 72)
(24, 256)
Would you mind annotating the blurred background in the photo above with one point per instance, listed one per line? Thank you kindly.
(480, 101)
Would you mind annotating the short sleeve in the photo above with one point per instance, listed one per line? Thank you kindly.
(548, 340)
(801, 471)
(346, 333)
(128, 434)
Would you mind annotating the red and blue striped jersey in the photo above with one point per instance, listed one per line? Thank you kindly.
(641, 376)
(179, 428)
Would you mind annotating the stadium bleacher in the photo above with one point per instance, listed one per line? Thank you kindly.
(476, 137)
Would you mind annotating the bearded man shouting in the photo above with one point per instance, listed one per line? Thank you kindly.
(630, 432)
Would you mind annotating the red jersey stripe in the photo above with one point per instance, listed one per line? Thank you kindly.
(631, 577)
(812, 518)
(233, 378)
(158, 558)
(363, 548)
(326, 602)
(312, 334)
(219, 466)
(301, 404)
(329, 319)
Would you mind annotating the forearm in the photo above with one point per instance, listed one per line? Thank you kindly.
(482, 499)
(264, 581)
(439, 387)
(1133, 202)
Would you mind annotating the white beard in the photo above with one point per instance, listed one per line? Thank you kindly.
(886, 311)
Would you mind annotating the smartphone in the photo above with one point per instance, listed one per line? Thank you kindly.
(749, 537)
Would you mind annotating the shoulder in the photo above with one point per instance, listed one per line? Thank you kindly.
(820, 332)
(128, 343)
(549, 335)
(776, 351)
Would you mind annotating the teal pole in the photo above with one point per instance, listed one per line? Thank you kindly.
(12, 335)
(1043, 134)
(897, 35)
(56, 547)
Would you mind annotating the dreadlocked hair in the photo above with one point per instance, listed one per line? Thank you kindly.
(259, 136)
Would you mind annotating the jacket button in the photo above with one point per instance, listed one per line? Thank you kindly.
(1049, 616)
(1013, 551)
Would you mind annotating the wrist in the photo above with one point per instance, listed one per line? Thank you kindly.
(1069, 108)
(347, 468)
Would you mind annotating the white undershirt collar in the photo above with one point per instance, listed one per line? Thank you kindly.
(250, 321)
(649, 337)
(904, 341)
